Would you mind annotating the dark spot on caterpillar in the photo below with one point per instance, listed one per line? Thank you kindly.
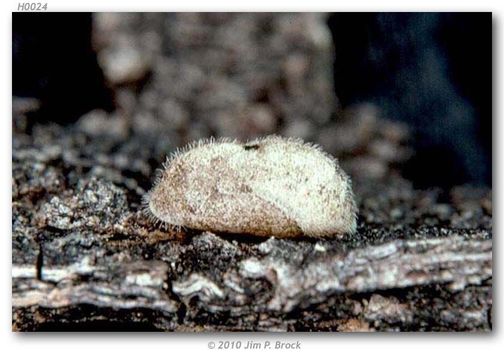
(250, 147)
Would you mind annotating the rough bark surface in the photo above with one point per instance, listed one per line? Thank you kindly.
(84, 260)
(430, 284)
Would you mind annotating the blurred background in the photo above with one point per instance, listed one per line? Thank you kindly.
(390, 94)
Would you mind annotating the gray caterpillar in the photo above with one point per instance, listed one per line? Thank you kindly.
(271, 186)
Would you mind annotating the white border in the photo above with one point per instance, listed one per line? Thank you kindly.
(268, 5)
(172, 346)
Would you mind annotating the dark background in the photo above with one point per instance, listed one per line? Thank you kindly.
(432, 71)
